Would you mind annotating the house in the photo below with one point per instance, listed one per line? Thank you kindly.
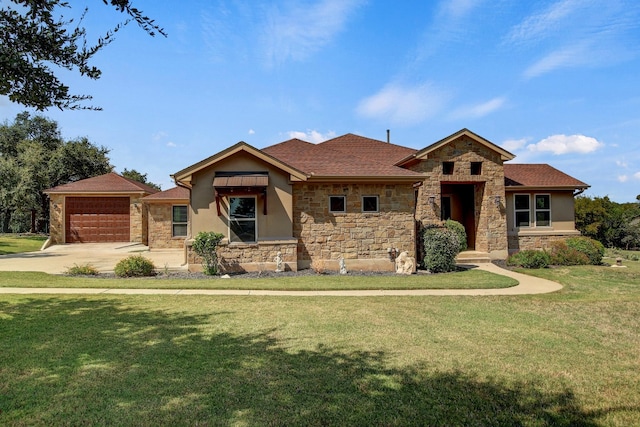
(358, 199)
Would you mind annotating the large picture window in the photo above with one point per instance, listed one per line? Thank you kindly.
(179, 221)
(242, 219)
(543, 210)
(523, 210)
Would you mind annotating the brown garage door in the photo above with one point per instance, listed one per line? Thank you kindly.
(97, 219)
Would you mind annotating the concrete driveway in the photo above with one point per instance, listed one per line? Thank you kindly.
(57, 259)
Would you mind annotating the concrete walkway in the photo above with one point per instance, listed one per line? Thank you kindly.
(528, 285)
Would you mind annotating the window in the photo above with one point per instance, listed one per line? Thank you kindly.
(523, 211)
(242, 219)
(337, 204)
(370, 204)
(179, 221)
(543, 210)
(476, 168)
(447, 168)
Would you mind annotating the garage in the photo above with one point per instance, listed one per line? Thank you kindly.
(97, 219)
(102, 209)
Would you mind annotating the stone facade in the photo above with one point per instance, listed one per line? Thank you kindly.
(486, 192)
(537, 241)
(240, 257)
(161, 227)
(138, 227)
(362, 239)
(56, 219)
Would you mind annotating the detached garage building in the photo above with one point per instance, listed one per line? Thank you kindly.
(105, 208)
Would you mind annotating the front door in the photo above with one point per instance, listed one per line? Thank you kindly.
(458, 204)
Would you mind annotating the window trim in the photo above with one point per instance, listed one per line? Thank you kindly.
(344, 203)
(174, 222)
(536, 210)
(254, 219)
(373, 196)
(516, 210)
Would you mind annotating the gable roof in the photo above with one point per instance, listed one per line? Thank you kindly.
(525, 176)
(349, 157)
(185, 174)
(172, 194)
(423, 154)
(108, 183)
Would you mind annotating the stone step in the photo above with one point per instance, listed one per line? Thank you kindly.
(473, 257)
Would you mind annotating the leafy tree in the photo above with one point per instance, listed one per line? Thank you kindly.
(34, 35)
(34, 157)
(140, 177)
(612, 224)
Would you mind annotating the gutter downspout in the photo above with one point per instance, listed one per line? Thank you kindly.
(185, 258)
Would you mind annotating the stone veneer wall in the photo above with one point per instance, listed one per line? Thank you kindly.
(239, 257)
(520, 242)
(56, 219)
(160, 220)
(137, 220)
(490, 220)
(362, 239)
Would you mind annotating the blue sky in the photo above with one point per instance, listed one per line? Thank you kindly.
(553, 81)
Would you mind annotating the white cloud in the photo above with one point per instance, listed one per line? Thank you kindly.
(514, 144)
(540, 25)
(455, 9)
(403, 105)
(159, 135)
(564, 144)
(252, 132)
(623, 178)
(298, 31)
(171, 144)
(621, 163)
(571, 56)
(479, 110)
(636, 175)
(311, 135)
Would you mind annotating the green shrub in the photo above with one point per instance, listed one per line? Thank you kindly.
(529, 259)
(441, 245)
(82, 270)
(135, 266)
(593, 249)
(561, 254)
(205, 245)
(458, 228)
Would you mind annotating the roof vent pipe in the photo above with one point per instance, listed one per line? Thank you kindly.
(388, 136)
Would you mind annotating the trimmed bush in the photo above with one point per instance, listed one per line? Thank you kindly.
(458, 228)
(205, 246)
(441, 245)
(529, 259)
(82, 270)
(561, 254)
(593, 249)
(135, 266)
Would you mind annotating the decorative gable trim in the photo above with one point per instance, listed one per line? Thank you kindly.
(424, 153)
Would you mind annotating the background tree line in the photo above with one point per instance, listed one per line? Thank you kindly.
(615, 225)
(35, 157)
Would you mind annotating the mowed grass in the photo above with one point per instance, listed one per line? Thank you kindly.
(569, 358)
(14, 243)
(470, 279)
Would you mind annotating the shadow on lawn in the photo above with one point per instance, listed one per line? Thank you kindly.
(96, 362)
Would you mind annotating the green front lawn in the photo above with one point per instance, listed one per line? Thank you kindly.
(470, 279)
(15, 243)
(568, 358)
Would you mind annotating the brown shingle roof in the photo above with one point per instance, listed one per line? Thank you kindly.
(108, 183)
(349, 156)
(175, 193)
(538, 175)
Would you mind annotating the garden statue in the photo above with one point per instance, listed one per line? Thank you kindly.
(405, 264)
(278, 261)
(343, 266)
